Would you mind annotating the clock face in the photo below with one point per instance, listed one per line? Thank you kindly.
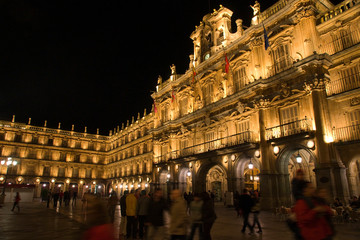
(207, 56)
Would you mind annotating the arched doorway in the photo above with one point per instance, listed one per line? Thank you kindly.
(185, 180)
(247, 174)
(289, 161)
(164, 183)
(354, 177)
(216, 182)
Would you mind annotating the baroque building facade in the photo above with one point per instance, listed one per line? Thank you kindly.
(255, 105)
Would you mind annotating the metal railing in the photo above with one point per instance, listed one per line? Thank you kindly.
(288, 129)
(233, 140)
(341, 42)
(346, 134)
(273, 9)
(338, 9)
(49, 130)
(280, 65)
(343, 84)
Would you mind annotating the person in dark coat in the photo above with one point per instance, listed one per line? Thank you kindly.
(297, 184)
(123, 222)
(245, 204)
(208, 215)
(155, 219)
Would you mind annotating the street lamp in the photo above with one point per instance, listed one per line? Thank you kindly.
(298, 158)
(9, 162)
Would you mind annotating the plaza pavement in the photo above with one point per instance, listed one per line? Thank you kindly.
(36, 222)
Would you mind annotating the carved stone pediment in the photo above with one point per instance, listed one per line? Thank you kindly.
(285, 90)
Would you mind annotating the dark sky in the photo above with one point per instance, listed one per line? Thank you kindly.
(94, 63)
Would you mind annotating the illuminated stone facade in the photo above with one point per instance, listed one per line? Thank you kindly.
(300, 97)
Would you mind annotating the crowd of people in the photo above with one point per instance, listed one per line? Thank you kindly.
(144, 215)
(58, 196)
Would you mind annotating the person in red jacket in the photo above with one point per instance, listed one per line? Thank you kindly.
(16, 202)
(312, 216)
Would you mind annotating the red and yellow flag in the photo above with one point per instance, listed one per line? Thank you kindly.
(172, 96)
(194, 74)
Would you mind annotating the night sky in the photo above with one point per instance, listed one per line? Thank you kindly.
(95, 63)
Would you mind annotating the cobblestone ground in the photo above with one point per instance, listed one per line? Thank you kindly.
(36, 222)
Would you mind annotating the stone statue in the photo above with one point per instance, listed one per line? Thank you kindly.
(256, 13)
(159, 82)
(173, 69)
(256, 8)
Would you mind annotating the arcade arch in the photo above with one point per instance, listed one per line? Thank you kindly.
(354, 177)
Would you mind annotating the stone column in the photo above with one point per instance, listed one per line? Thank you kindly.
(330, 172)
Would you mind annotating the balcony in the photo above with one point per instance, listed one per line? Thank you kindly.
(347, 134)
(233, 140)
(280, 65)
(288, 129)
(343, 84)
(342, 41)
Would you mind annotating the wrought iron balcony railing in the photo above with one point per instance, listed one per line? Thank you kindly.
(342, 41)
(233, 140)
(280, 65)
(288, 129)
(343, 84)
(347, 134)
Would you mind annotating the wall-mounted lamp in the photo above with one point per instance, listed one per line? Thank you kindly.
(251, 165)
(298, 158)
(276, 150)
(257, 153)
(310, 144)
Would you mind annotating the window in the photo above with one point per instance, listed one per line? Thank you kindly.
(75, 172)
(209, 137)
(61, 172)
(165, 113)
(183, 144)
(354, 117)
(88, 173)
(242, 129)
(240, 78)
(350, 78)
(208, 93)
(46, 171)
(183, 106)
(289, 117)
(281, 60)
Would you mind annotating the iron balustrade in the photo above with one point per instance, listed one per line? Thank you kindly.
(233, 140)
(346, 134)
(273, 9)
(288, 129)
(343, 84)
(280, 65)
(343, 40)
(338, 9)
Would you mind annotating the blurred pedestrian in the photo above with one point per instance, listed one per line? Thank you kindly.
(74, 197)
(66, 198)
(131, 218)
(16, 202)
(97, 220)
(196, 216)
(245, 204)
(56, 198)
(48, 199)
(208, 215)
(155, 220)
(179, 218)
(123, 213)
(311, 216)
(256, 211)
(297, 184)
(142, 212)
(61, 197)
(112, 202)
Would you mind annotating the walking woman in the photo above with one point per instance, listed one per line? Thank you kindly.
(16, 202)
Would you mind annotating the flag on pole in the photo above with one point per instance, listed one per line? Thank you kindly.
(194, 74)
(172, 96)
(155, 108)
(266, 39)
(227, 64)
